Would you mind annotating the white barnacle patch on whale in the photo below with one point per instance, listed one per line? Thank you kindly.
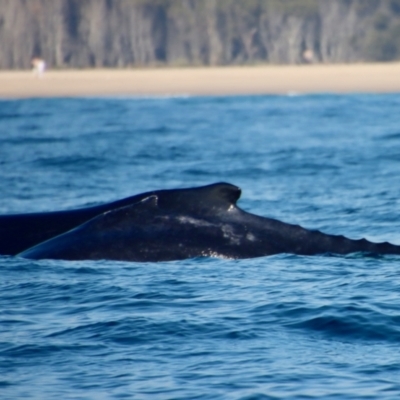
(229, 233)
(251, 237)
(194, 221)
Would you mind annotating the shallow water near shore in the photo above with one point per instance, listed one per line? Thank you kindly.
(276, 327)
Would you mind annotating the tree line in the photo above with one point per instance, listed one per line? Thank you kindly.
(136, 33)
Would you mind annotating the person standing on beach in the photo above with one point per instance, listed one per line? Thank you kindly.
(308, 56)
(38, 66)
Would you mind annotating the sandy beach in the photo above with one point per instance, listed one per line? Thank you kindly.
(358, 78)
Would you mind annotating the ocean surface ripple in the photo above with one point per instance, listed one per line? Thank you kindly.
(278, 327)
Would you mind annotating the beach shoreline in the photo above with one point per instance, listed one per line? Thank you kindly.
(204, 81)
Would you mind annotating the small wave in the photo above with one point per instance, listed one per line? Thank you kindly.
(389, 136)
(72, 163)
(347, 322)
(29, 140)
(34, 350)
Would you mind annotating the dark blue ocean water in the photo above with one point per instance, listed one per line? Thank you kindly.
(280, 327)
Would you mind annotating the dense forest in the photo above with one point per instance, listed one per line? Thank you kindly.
(124, 33)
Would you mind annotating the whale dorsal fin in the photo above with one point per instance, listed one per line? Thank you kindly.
(223, 193)
(200, 200)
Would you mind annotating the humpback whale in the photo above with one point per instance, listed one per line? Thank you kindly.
(186, 223)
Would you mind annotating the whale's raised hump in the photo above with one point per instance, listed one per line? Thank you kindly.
(21, 231)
